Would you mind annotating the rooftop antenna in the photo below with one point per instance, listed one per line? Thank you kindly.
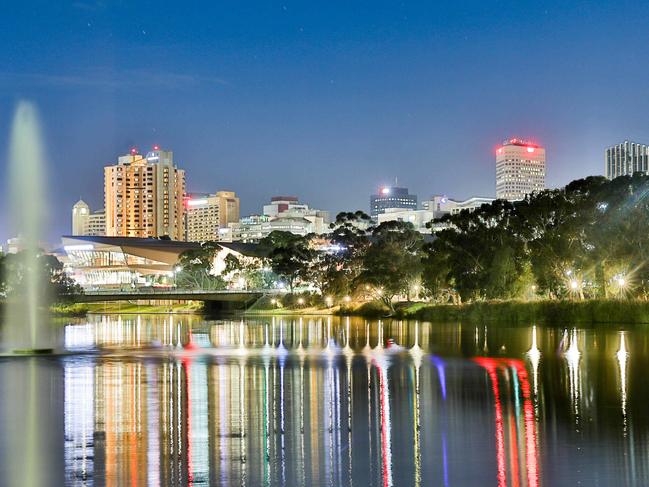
(396, 181)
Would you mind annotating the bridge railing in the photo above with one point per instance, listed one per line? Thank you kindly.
(176, 291)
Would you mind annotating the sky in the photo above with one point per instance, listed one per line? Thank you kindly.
(323, 100)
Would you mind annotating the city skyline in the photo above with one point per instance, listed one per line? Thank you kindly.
(319, 100)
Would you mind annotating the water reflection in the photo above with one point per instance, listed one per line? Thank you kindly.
(170, 400)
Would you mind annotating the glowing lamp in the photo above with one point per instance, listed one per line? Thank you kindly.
(530, 149)
(156, 147)
(500, 150)
(385, 191)
(133, 151)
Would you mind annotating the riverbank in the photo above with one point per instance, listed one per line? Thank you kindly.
(488, 312)
(124, 307)
(593, 311)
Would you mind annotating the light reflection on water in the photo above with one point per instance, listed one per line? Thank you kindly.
(176, 400)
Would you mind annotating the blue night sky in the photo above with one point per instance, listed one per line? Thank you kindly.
(323, 100)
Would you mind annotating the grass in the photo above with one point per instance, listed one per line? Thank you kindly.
(525, 312)
(81, 309)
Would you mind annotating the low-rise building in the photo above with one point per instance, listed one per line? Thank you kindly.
(436, 207)
(87, 222)
(441, 204)
(284, 213)
(97, 262)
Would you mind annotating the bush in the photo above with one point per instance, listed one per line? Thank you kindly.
(523, 312)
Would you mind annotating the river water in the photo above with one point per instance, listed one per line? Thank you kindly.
(146, 400)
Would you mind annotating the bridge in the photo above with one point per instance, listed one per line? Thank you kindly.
(222, 295)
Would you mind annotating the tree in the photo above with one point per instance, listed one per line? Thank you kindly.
(254, 271)
(196, 268)
(392, 263)
(53, 282)
(336, 269)
(290, 256)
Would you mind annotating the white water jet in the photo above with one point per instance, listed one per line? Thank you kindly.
(26, 325)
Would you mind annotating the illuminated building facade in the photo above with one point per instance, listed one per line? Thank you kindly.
(86, 222)
(121, 262)
(283, 213)
(391, 197)
(626, 158)
(520, 169)
(207, 213)
(442, 205)
(144, 196)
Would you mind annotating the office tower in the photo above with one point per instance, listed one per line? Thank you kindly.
(520, 169)
(626, 158)
(144, 196)
(391, 197)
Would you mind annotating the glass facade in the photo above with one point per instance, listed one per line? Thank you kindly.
(391, 197)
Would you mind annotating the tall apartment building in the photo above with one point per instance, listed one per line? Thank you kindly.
(86, 222)
(207, 213)
(144, 196)
(391, 197)
(626, 158)
(520, 169)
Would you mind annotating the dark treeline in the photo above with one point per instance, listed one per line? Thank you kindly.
(587, 240)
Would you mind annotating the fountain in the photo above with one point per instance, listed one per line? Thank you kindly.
(26, 326)
(31, 387)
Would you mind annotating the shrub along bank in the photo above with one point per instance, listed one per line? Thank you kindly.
(526, 312)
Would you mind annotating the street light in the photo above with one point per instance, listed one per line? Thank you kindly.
(329, 301)
(300, 301)
(347, 299)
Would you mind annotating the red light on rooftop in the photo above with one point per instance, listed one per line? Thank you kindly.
(500, 150)
(530, 149)
(133, 150)
(156, 147)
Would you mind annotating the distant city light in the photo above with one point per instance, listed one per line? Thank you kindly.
(156, 147)
(574, 285)
(347, 299)
(530, 149)
(385, 190)
(300, 301)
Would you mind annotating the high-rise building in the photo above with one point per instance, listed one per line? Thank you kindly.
(520, 169)
(207, 213)
(144, 196)
(391, 197)
(86, 222)
(626, 158)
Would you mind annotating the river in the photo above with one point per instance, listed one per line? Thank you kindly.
(327, 401)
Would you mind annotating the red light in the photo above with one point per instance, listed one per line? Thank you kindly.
(156, 147)
(530, 149)
(133, 151)
(500, 150)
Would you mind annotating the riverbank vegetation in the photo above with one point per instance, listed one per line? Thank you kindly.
(587, 241)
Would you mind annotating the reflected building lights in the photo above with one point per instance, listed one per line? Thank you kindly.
(622, 358)
(573, 356)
